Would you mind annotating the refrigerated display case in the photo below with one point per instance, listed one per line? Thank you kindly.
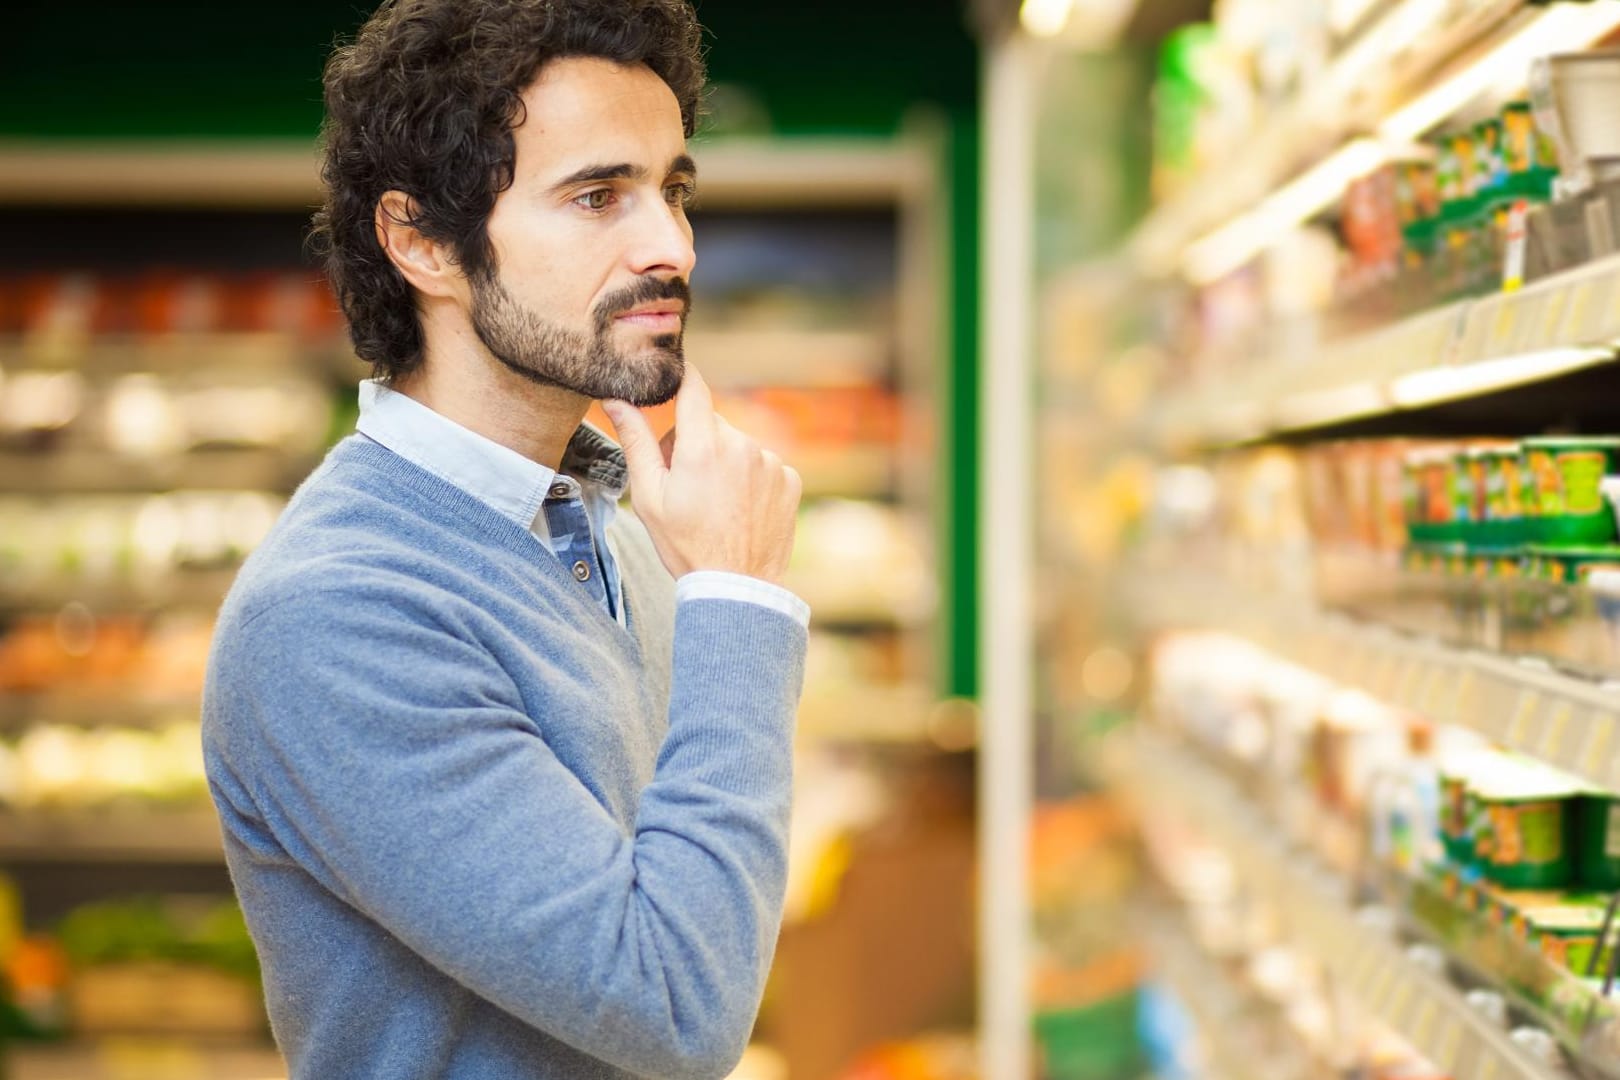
(1313, 573)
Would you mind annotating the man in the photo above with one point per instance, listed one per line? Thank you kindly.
(501, 799)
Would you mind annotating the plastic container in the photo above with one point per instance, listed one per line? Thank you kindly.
(1574, 95)
(1568, 473)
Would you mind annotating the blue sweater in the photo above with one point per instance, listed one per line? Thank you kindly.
(478, 828)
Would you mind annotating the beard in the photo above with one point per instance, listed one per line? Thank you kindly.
(588, 364)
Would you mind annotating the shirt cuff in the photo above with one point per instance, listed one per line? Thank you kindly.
(720, 585)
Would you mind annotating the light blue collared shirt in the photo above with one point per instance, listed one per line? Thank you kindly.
(567, 513)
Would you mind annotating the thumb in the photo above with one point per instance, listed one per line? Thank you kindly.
(641, 449)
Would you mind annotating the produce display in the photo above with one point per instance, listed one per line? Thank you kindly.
(166, 965)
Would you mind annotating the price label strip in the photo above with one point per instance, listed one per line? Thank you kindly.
(1439, 695)
(1595, 756)
(1423, 1026)
(1449, 1046)
(1553, 736)
(1580, 303)
(1524, 715)
(1553, 311)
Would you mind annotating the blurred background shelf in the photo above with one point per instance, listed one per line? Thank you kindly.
(148, 1058)
(92, 709)
(746, 357)
(73, 472)
(181, 589)
(1361, 951)
(179, 353)
(113, 834)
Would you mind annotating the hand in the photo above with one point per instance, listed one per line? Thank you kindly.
(710, 497)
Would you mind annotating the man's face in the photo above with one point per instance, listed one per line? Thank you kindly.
(592, 245)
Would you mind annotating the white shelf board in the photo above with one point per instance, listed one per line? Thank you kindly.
(72, 471)
(1562, 324)
(1570, 722)
(1155, 772)
(188, 834)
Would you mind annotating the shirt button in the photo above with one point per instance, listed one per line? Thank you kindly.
(559, 490)
(581, 571)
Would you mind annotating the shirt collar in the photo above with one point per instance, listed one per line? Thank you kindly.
(512, 484)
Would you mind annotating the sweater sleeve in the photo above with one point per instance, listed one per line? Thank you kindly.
(396, 765)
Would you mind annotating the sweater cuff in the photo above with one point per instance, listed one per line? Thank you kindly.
(720, 585)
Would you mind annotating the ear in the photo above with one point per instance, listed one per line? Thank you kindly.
(425, 263)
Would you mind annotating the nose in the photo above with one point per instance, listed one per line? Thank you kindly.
(663, 246)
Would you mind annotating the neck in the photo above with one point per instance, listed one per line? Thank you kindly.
(460, 380)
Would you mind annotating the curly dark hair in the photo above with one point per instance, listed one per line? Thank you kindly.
(424, 101)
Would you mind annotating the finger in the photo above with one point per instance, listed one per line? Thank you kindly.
(641, 450)
(667, 445)
(694, 412)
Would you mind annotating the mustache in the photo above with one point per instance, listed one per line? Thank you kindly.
(643, 291)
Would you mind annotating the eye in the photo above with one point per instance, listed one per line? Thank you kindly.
(600, 199)
(680, 194)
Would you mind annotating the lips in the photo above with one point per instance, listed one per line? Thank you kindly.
(664, 317)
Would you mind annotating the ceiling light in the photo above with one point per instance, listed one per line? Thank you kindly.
(1045, 18)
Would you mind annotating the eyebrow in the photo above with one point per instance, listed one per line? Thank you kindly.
(683, 163)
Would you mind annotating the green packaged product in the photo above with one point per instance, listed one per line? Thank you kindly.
(1597, 841)
(1504, 490)
(1518, 138)
(1572, 565)
(1469, 491)
(1568, 475)
(1456, 821)
(1523, 826)
(1490, 165)
(1567, 935)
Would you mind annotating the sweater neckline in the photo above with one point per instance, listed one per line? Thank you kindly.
(464, 506)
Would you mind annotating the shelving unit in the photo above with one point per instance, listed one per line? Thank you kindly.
(1556, 327)
(1358, 947)
(883, 339)
(1179, 356)
(1405, 52)
(188, 834)
(1526, 705)
(1213, 998)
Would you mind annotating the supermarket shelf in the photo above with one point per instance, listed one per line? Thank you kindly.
(55, 473)
(868, 714)
(1345, 99)
(285, 173)
(179, 589)
(860, 472)
(1570, 722)
(1211, 995)
(92, 709)
(153, 1058)
(180, 353)
(735, 358)
(188, 835)
(1466, 351)
(1153, 772)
